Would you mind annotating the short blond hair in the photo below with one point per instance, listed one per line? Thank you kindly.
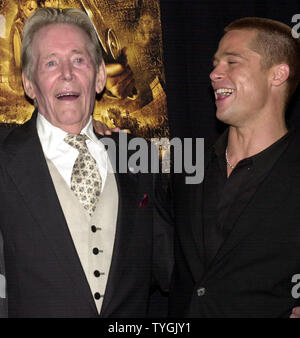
(275, 43)
(47, 16)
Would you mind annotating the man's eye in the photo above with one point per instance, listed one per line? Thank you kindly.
(231, 62)
(79, 60)
(51, 63)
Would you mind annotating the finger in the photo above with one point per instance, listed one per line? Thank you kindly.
(100, 127)
(296, 311)
(294, 316)
(108, 132)
(99, 131)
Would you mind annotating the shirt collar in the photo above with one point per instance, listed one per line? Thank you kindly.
(88, 130)
(263, 159)
(52, 137)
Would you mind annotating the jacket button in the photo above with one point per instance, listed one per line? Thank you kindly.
(201, 292)
(95, 251)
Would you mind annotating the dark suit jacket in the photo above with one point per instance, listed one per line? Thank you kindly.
(251, 274)
(44, 274)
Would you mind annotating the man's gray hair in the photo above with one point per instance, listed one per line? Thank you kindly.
(46, 16)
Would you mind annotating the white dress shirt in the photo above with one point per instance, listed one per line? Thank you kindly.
(62, 155)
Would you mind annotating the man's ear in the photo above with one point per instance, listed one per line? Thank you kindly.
(28, 86)
(101, 78)
(280, 73)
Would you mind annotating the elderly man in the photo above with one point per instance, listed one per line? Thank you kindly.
(79, 241)
(237, 245)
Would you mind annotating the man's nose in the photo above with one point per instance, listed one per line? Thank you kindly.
(67, 71)
(217, 74)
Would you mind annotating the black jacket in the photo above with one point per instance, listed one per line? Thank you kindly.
(44, 274)
(251, 275)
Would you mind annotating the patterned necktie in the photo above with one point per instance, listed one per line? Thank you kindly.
(85, 180)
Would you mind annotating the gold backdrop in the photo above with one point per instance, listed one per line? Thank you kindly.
(131, 24)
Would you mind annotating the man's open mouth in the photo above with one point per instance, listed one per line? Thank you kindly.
(223, 93)
(67, 96)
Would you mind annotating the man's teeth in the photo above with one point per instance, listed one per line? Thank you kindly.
(65, 94)
(224, 91)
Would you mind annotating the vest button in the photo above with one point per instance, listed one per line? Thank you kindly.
(95, 251)
(97, 273)
(97, 295)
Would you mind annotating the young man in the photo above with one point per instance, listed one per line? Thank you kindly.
(237, 243)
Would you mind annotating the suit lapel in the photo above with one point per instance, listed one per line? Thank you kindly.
(128, 200)
(28, 169)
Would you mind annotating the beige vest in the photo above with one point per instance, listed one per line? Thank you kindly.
(94, 236)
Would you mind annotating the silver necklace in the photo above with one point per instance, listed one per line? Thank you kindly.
(227, 161)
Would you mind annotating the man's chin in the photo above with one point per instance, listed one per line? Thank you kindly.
(221, 114)
(72, 123)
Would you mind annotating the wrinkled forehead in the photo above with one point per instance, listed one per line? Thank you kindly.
(59, 40)
(60, 34)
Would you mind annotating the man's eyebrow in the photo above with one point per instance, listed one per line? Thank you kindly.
(234, 54)
(49, 56)
(77, 51)
(215, 58)
(74, 51)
